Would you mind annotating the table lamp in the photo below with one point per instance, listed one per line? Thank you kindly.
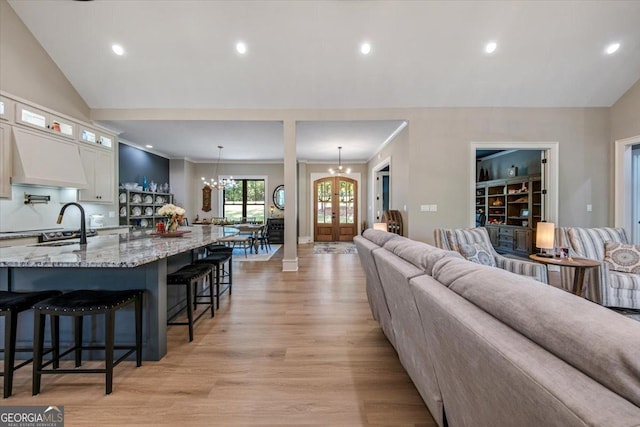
(380, 226)
(545, 238)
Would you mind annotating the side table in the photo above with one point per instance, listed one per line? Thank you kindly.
(579, 264)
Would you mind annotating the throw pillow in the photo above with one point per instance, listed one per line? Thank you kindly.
(622, 257)
(478, 253)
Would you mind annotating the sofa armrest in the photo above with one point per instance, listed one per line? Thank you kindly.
(523, 268)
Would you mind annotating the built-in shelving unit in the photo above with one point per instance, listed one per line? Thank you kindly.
(512, 207)
(139, 208)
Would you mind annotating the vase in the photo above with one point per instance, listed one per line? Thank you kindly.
(172, 225)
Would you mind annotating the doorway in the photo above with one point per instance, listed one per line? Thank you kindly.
(549, 174)
(335, 209)
(627, 186)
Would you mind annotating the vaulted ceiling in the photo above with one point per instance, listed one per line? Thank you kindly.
(306, 55)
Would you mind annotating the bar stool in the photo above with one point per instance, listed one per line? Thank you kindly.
(189, 276)
(218, 256)
(78, 304)
(11, 304)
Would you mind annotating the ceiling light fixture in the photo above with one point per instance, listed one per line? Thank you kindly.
(149, 146)
(340, 169)
(365, 48)
(612, 48)
(224, 182)
(117, 49)
(491, 47)
(241, 48)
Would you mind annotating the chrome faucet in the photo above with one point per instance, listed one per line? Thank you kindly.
(83, 226)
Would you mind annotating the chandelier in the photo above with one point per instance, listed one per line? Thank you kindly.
(340, 169)
(224, 182)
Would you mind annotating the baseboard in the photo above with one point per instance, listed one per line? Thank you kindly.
(303, 240)
(290, 264)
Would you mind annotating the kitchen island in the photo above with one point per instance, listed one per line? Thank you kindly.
(137, 259)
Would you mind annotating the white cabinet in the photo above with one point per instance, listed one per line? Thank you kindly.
(6, 109)
(95, 137)
(5, 161)
(99, 169)
(43, 120)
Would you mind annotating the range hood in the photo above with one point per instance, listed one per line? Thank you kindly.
(47, 161)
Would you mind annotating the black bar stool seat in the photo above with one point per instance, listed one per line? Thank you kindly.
(12, 303)
(217, 258)
(189, 276)
(83, 303)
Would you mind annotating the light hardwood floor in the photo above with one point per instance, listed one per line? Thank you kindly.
(286, 349)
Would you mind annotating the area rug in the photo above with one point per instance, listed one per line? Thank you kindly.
(262, 255)
(334, 248)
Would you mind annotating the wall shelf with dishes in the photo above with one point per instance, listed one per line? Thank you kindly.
(139, 208)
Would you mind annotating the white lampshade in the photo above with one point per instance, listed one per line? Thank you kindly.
(380, 226)
(545, 235)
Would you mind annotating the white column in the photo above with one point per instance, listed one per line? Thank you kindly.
(290, 260)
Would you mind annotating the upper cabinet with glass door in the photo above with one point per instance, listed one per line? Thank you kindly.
(6, 109)
(95, 137)
(43, 120)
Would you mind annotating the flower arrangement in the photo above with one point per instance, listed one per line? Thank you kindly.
(175, 215)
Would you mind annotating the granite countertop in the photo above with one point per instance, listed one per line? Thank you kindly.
(7, 235)
(112, 251)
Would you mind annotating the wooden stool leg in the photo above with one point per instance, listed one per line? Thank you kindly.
(38, 344)
(10, 329)
(218, 286)
(213, 311)
(190, 310)
(78, 340)
(138, 330)
(109, 331)
(55, 341)
(230, 274)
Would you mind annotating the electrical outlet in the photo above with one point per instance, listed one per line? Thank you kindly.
(434, 208)
(589, 208)
(112, 214)
(424, 208)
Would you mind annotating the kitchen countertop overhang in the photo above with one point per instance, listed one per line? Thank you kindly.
(112, 251)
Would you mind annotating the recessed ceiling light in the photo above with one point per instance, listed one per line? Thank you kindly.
(149, 146)
(365, 48)
(241, 47)
(491, 47)
(117, 49)
(612, 48)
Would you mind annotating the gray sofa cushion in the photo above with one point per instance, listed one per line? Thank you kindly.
(490, 375)
(379, 237)
(556, 320)
(410, 340)
(421, 255)
(375, 293)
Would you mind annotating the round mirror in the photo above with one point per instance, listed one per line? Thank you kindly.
(278, 197)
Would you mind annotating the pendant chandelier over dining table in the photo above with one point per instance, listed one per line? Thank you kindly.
(340, 169)
(222, 183)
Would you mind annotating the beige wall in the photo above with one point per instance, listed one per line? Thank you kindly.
(311, 171)
(27, 71)
(625, 114)
(273, 172)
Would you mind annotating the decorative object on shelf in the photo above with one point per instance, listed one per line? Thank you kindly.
(224, 182)
(206, 198)
(153, 186)
(497, 202)
(512, 171)
(545, 238)
(174, 214)
(145, 185)
(278, 197)
(340, 170)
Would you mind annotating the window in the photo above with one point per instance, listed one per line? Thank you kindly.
(245, 201)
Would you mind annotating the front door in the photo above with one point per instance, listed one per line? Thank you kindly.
(335, 209)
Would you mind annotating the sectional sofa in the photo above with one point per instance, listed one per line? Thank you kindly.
(486, 347)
